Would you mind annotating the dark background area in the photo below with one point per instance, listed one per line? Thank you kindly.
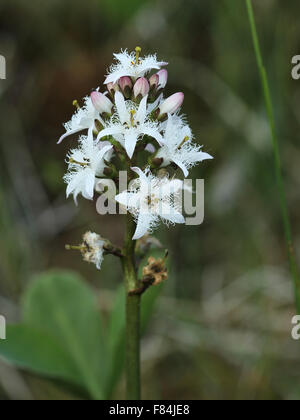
(221, 330)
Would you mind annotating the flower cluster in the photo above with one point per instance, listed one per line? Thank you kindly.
(132, 127)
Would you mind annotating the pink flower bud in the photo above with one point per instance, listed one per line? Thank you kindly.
(171, 104)
(125, 82)
(101, 102)
(163, 78)
(112, 88)
(154, 81)
(141, 87)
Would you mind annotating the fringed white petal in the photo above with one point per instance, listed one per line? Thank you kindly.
(130, 143)
(152, 132)
(169, 214)
(110, 131)
(143, 225)
(142, 110)
(121, 107)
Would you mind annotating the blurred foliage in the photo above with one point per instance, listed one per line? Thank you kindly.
(222, 328)
(63, 336)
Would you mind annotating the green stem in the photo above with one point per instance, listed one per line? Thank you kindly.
(133, 382)
(277, 160)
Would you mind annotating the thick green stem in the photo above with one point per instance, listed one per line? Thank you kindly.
(279, 178)
(133, 382)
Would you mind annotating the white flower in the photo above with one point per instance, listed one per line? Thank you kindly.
(83, 119)
(179, 147)
(132, 65)
(151, 199)
(130, 123)
(85, 164)
(92, 248)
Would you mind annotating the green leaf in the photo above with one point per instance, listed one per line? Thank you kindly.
(62, 334)
(34, 350)
(61, 305)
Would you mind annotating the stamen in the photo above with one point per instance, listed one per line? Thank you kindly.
(76, 248)
(152, 200)
(71, 160)
(132, 114)
(137, 54)
(183, 141)
(76, 104)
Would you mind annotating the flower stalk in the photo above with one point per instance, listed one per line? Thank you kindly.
(132, 368)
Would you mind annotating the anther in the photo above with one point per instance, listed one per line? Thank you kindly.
(76, 104)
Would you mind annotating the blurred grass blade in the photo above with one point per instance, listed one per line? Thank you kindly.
(28, 348)
(279, 178)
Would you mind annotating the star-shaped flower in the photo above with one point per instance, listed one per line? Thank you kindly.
(132, 65)
(130, 123)
(85, 164)
(151, 199)
(83, 119)
(179, 147)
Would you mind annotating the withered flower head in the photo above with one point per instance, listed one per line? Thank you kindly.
(155, 270)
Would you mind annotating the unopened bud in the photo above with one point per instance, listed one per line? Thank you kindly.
(163, 78)
(156, 162)
(112, 88)
(141, 87)
(171, 104)
(101, 102)
(154, 81)
(108, 171)
(125, 84)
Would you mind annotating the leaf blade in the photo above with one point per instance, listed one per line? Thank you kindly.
(28, 348)
(59, 303)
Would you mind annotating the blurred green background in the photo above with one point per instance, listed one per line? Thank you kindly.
(221, 328)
